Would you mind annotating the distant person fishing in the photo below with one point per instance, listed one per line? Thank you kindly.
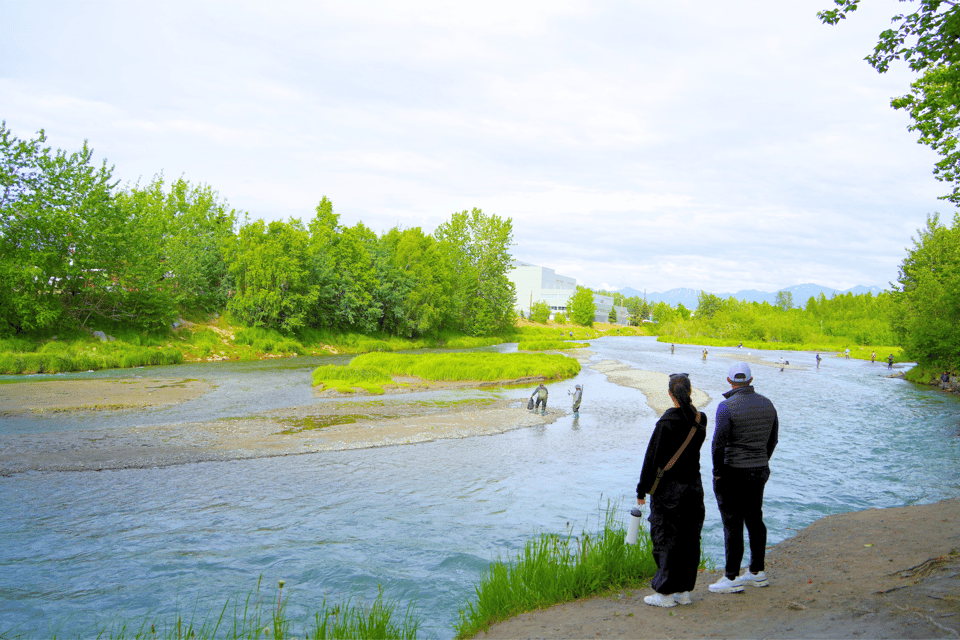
(541, 394)
(577, 397)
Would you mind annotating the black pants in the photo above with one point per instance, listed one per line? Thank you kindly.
(676, 520)
(740, 500)
(539, 401)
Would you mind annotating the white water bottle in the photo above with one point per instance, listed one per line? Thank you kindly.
(634, 528)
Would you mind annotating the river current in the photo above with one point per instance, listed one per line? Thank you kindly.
(84, 551)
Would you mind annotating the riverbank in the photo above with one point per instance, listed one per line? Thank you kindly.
(879, 573)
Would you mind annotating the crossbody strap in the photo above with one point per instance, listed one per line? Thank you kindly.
(674, 459)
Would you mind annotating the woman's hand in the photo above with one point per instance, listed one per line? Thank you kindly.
(641, 501)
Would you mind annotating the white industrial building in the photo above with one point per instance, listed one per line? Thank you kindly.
(541, 284)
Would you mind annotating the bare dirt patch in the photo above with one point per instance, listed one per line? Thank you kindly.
(297, 430)
(96, 395)
(880, 573)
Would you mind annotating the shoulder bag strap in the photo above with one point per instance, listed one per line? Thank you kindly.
(674, 459)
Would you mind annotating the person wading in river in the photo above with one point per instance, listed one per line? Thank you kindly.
(541, 393)
(744, 437)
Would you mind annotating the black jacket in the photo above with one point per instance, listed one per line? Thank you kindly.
(671, 430)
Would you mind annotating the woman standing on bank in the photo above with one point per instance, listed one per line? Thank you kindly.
(671, 475)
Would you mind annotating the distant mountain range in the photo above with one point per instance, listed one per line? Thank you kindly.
(800, 293)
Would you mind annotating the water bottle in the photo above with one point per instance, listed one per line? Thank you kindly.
(634, 528)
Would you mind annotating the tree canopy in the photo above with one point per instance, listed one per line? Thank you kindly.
(77, 252)
(928, 41)
(928, 295)
(581, 307)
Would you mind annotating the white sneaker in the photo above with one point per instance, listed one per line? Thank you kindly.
(683, 597)
(758, 579)
(726, 585)
(660, 600)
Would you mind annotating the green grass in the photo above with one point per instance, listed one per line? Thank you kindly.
(550, 345)
(261, 340)
(470, 366)
(928, 373)
(55, 357)
(555, 568)
(470, 342)
(346, 379)
(257, 618)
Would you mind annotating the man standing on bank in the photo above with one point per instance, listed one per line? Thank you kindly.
(744, 438)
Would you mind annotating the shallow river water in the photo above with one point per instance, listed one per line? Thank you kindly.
(80, 551)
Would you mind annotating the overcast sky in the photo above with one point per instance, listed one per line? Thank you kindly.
(715, 145)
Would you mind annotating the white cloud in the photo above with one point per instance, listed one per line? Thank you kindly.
(718, 146)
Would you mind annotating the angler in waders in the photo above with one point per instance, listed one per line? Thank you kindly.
(541, 394)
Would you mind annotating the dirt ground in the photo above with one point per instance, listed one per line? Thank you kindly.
(373, 422)
(98, 395)
(880, 573)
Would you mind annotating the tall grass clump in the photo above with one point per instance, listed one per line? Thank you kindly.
(260, 339)
(479, 366)
(470, 342)
(259, 618)
(346, 379)
(559, 568)
(358, 621)
(58, 357)
(550, 345)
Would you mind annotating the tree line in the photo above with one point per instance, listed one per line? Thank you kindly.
(927, 293)
(79, 252)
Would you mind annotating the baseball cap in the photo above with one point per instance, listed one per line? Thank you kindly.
(740, 372)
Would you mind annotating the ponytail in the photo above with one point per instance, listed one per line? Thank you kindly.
(679, 388)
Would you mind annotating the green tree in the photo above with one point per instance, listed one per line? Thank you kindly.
(418, 298)
(69, 256)
(190, 228)
(927, 41)
(540, 312)
(271, 267)
(612, 316)
(784, 300)
(683, 311)
(927, 297)
(636, 312)
(477, 249)
(581, 307)
(707, 305)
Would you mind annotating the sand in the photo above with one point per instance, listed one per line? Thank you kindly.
(652, 384)
(50, 396)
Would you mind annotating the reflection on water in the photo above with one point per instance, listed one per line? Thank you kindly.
(77, 549)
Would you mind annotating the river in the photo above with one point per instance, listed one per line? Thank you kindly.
(84, 550)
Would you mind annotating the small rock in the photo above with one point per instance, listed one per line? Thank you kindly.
(796, 606)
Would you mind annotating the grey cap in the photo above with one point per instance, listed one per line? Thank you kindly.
(740, 373)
